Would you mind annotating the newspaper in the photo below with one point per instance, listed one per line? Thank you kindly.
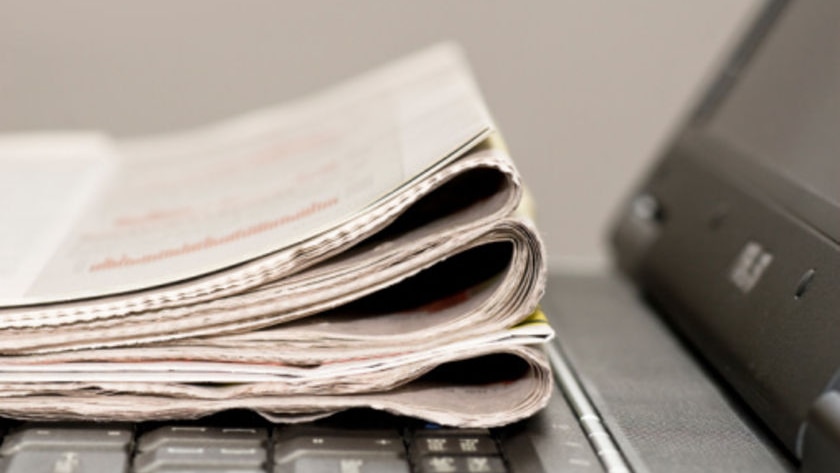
(360, 247)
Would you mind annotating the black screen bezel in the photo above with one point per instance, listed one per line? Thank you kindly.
(817, 212)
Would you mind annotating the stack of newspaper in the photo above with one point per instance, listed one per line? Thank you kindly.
(358, 248)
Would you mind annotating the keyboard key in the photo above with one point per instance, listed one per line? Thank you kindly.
(43, 437)
(187, 458)
(210, 469)
(453, 443)
(349, 464)
(461, 464)
(55, 449)
(456, 451)
(198, 436)
(67, 461)
(292, 442)
(314, 449)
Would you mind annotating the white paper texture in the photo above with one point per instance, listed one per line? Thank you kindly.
(178, 207)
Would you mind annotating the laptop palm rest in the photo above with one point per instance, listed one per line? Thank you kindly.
(663, 409)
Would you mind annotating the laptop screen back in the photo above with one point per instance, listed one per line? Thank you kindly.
(735, 235)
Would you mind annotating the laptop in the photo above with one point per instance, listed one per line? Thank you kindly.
(712, 347)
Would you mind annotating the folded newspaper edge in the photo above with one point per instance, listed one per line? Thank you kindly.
(358, 248)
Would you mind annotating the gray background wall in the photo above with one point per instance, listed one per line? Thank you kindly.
(585, 92)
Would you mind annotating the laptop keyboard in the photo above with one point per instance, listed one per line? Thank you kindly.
(80, 448)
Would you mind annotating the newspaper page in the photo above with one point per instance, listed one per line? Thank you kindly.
(516, 373)
(382, 261)
(45, 182)
(182, 206)
(470, 283)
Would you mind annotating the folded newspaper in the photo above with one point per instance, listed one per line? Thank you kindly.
(358, 248)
